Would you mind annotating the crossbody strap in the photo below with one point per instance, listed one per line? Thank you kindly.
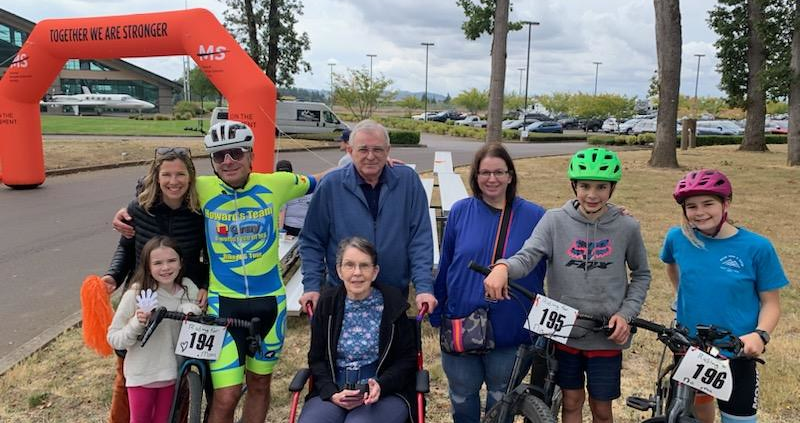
(502, 233)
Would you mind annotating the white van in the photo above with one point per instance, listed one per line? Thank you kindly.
(297, 117)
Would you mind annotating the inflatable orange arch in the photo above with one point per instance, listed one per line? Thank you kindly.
(194, 32)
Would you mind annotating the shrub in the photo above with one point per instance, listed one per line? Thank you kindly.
(404, 137)
(605, 139)
(643, 139)
(162, 117)
(188, 106)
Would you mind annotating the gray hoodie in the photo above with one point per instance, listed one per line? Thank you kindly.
(586, 266)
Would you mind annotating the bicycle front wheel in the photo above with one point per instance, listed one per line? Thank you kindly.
(197, 398)
(555, 403)
(535, 410)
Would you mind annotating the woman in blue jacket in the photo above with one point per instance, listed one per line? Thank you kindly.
(472, 233)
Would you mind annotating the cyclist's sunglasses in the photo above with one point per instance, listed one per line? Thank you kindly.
(235, 154)
(180, 151)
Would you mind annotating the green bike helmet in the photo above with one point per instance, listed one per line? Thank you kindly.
(595, 164)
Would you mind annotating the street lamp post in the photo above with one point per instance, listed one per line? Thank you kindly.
(528, 65)
(520, 80)
(596, 70)
(427, 46)
(331, 63)
(371, 56)
(697, 80)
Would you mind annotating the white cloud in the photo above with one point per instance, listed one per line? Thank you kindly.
(572, 35)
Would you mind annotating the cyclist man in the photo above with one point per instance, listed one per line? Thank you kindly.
(241, 216)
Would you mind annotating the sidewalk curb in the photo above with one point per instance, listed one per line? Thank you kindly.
(71, 170)
(38, 342)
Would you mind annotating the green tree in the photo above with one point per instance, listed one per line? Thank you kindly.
(411, 104)
(652, 90)
(753, 49)
(601, 105)
(359, 94)
(556, 103)
(513, 102)
(270, 23)
(201, 86)
(491, 17)
(472, 100)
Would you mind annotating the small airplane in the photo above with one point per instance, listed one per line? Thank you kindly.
(98, 101)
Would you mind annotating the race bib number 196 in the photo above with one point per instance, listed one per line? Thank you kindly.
(201, 341)
(551, 319)
(705, 373)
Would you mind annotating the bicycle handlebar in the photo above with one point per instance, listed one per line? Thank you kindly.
(161, 313)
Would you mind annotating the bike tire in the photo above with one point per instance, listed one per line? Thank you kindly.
(197, 398)
(535, 410)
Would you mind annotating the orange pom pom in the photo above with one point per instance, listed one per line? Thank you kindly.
(97, 314)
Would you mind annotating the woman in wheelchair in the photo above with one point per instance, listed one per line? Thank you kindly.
(363, 354)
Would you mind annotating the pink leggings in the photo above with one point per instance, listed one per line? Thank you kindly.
(150, 404)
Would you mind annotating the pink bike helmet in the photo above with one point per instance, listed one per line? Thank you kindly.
(703, 182)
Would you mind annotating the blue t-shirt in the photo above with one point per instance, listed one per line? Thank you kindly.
(359, 339)
(719, 284)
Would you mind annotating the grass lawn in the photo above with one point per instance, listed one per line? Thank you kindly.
(108, 125)
(66, 382)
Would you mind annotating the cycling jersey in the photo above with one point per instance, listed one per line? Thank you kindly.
(241, 231)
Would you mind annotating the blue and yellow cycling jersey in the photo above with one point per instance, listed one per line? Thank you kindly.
(242, 231)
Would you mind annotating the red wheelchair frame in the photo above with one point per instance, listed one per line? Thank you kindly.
(422, 377)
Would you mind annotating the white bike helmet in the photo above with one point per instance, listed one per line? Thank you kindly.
(228, 134)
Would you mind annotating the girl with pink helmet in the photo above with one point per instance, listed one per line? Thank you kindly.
(708, 257)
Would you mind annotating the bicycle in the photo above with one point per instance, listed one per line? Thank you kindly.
(540, 400)
(195, 372)
(677, 396)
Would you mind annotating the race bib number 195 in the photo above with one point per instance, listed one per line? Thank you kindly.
(551, 319)
(201, 341)
(705, 373)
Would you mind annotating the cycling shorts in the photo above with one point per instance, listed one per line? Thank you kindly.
(602, 370)
(744, 397)
(236, 355)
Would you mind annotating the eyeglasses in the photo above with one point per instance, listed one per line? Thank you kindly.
(376, 151)
(350, 266)
(498, 174)
(180, 151)
(234, 153)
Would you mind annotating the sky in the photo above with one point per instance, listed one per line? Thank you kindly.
(571, 36)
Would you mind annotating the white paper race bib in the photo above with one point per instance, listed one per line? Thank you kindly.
(705, 373)
(551, 319)
(201, 341)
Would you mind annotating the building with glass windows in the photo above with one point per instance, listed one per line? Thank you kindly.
(101, 76)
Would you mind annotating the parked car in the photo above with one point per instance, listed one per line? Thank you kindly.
(627, 126)
(776, 126)
(531, 117)
(570, 123)
(512, 124)
(472, 121)
(447, 115)
(717, 127)
(421, 116)
(546, 126)
(610, 125)
(643, 126)
(593, 124)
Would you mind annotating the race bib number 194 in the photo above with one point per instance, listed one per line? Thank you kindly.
(551, 319)
(705, 373)
(201, 341)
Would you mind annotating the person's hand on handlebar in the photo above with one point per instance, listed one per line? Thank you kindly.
(143, 316)
(622, 329)
(120, 223)
(753, 344)
(496, 284)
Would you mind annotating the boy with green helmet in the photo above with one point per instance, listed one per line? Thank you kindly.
(590, 247)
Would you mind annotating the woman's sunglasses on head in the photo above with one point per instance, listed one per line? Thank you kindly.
(180, 151)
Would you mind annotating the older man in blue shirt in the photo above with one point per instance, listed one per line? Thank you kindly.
(385, 205)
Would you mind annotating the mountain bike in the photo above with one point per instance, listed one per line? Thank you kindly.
(194, 372)
(673, 401)
(538, 401)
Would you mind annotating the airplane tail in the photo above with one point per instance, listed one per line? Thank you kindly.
(85, 89)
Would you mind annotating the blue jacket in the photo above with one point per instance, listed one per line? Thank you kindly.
(470, 235)
(401, 233)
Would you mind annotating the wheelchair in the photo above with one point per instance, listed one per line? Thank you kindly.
(303, 376)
